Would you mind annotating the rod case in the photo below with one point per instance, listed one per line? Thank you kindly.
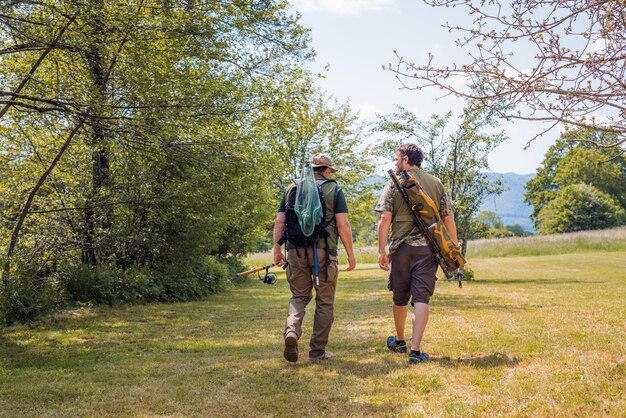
(426, 215)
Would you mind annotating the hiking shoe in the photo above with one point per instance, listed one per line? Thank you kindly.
(416, 359)
(326, 356)
(291, 347)
(394, 346)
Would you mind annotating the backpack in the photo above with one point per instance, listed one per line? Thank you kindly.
(293, 230)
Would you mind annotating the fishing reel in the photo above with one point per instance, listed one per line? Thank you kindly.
(268, 278)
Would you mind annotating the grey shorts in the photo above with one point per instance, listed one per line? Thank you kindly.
(412, 274)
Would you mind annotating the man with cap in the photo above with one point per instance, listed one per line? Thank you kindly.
(300, 268)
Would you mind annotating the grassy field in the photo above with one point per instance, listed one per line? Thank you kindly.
(532, 336)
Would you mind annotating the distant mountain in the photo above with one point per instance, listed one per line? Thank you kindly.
(510, 204)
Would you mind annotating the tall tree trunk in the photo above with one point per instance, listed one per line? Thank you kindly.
(92, 247)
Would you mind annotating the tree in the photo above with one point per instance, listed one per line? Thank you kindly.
(580, 207)
(490, 219)
(305, 122)
(459, 160)
(517, 230)
(574, 75)
(567, 163)
(488, 224)
(133, 113)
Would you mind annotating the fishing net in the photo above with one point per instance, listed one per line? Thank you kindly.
(308, 206)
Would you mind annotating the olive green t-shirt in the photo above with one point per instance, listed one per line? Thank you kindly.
(403, 227)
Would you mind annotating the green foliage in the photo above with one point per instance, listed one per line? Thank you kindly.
(569, 162)
(498, 233)
(468, 274)
(212, 275)
(488, 224)
(489, 219)
(306, 122)
(173, 170)
(363, 219)
(518, 230)
(83, 284)
(27, 297)
(580, 207)
(236, 265)
(302, 123)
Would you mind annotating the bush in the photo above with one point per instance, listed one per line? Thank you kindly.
(192, 281)
(138, 286)
(106, 285)
(112, 286)
(580, 207)
(212, 275)
(236, 265)
(26, 297)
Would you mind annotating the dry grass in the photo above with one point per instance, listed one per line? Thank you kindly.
(573, 242)
(533, 336)
(609, 240)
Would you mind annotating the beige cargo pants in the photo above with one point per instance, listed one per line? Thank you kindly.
(301, 278)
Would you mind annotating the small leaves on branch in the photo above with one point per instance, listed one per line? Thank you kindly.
(572, 75)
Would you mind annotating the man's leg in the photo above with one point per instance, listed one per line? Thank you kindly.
(324, 304)
(400, 285)
(420, 319)
(423, 278)
(299, 278)
(399, 318)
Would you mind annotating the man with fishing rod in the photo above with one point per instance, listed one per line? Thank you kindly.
(311, 218)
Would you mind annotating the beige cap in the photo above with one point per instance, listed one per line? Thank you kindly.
(322, 160)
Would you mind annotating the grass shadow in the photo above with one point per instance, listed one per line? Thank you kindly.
(487, 361)
(466, 302)
(9, 348)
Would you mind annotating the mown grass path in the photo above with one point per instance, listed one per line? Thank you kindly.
(533, 336)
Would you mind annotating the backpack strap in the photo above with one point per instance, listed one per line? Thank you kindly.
(283, 239)
(320, 183)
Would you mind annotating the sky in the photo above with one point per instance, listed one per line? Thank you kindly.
(355, 38)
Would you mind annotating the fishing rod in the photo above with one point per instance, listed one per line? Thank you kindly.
(268, 278)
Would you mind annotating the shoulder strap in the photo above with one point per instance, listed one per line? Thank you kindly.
(320, 183)
(324, 181)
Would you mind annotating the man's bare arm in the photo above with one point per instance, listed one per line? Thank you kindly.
(345, 233)
(279, 228)
(384, 223)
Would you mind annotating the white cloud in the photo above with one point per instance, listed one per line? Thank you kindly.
(341, 7)
(513, 73)
(368, 111)
(599, 45)
(599, 119)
